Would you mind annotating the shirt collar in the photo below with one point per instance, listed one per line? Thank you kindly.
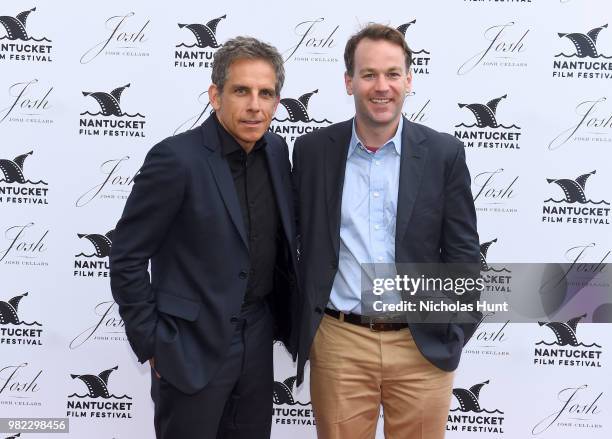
(396, 140)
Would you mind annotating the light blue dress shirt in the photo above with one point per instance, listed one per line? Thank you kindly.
(368, 216)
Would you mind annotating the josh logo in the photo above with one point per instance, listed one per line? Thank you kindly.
(490, 339)
(316, 42)
(574, 207)
(19, 385)
(200, 49)
(287, 410)
(97, 401)
(17, 45)
(416, 110)
(471, 415)
(593, 125)
(15, 188)
(89, 263)
(495, 191)
(23, 244)
(486, 132)
(27, 102)
(577, 409)
(107, 326)
(504, 47)
(497, 279)
(204, 110)
(585, 61)
(298, 120)
(13, 329)
(113, 183)
(566, 350)
(110, 119)
(420, 58)
(125, 36)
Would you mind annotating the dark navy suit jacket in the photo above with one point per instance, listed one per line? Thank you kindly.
(183, 215)
(436, 222)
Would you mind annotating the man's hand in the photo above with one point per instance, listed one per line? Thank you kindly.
(152, 363)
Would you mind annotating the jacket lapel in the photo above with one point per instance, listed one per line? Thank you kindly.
(412, 166)
(223, 176)
(279, 186)
(335, 166)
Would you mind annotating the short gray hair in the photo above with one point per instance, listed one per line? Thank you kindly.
(249, 48)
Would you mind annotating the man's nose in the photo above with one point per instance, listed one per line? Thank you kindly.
(254, 102)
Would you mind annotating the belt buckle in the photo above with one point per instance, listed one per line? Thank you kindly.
(373, 325)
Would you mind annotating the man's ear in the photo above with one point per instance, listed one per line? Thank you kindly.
(348, 82)
(214, 96)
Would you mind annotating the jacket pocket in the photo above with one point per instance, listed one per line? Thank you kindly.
(186, 309)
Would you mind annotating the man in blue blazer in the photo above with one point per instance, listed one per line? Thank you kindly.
(212, 211)
(378, 189)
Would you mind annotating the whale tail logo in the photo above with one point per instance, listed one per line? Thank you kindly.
(15, 27)
(468, 398)
(485, 114)
(205, 34)
(13, 169)
(484, 248)
(8, 310)
(97, 385)
(404, 27)
(565, 331)
(297, 109)
(110, 103)
(573, 189)
(101, 243)
(585, 44)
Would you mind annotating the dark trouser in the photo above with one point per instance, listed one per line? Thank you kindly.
(237, 402)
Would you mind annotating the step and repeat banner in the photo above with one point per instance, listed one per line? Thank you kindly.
(87, 88)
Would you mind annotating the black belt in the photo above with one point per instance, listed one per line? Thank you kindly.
(373, 323)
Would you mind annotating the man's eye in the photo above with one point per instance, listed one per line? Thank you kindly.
(369, 76)
(241, 91)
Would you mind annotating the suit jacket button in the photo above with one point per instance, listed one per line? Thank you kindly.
(243, 275)
(319, 310)
(234, 319)
(334, 265)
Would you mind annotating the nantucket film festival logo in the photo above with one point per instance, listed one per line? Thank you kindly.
(486, 132)
(124, 36)
(497, 279)
(314, 41)
(592, 125)
(566, 350)
(18, 44)
(24, 245)
(204, 109)
(421, 58)
(198, 44)
(495, 191)
(298, 120)
(108, 117)
(472, 415)
(287, 409)
(575, 411)
(16, 187)
(92, 262)
(20, 384)
(113, 181)
(502, 46)
(14, 330)
(26, 102)
(95, 398)
(572, 205)
(584, 60)
(104, 326)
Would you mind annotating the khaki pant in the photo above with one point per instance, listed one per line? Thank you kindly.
(354, 370)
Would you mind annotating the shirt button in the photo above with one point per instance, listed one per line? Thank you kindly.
(380, 258)
(377, 162)
(376, 227)
(376, 194)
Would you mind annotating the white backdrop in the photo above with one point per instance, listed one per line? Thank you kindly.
(545, 60)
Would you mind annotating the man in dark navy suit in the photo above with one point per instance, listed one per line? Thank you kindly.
(378, 189)
(211, 209)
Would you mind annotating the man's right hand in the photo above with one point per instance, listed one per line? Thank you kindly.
(152, 363)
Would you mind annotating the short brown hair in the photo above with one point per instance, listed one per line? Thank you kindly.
(375, 31)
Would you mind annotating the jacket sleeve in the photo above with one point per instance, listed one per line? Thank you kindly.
(460, 242)
(149, 212)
